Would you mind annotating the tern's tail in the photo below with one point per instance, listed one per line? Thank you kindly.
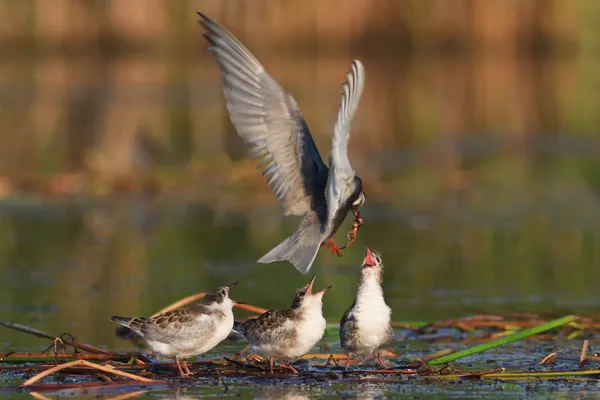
(300, 249)
(125, 321)
(239, 328)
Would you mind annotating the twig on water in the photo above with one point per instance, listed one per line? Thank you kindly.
(84, 363)
(549, 359)
(438, 354)
(38, 333)
(45, 357)
(584, 349)
(223, 382)
(503, 340)
(343, 356)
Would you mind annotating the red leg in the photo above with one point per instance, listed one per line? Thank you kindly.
(380, 360)
(186, 368)
(330, 360)
(332, 246)
(271, 361)
(347, 363)
(179, 367)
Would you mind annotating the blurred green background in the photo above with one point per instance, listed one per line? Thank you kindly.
(124, 187)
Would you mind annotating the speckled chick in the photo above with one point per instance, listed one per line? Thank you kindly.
(367, 325)
(287, 334)
(187, 331)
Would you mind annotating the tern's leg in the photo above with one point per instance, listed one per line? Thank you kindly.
(380, 360)
(271, 362)
(186, 368)
(330, 360)
(330, 245)
(179, 367)
(347, 363)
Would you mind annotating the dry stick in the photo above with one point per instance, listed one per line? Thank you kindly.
(45, 357)
(342, 356)
(180, 303)
(195, 297)
(577, 358)
(438, 354)
(251, 308)
(45, 335)
(85, 364)
(549, 359)
(584, 349)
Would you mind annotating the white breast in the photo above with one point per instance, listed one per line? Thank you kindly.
(309, 331)
(373, 316)
(222, 330)
(198, 340)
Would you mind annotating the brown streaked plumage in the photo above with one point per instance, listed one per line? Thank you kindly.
(187, 331)
(287, 334)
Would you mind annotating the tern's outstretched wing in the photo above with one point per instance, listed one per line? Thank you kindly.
(269, 121)
(341, 172)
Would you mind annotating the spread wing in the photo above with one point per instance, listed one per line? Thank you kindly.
(269, 121)
(272, 326)
(341, 172)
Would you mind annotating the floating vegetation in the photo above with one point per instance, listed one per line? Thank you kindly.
(69, 365)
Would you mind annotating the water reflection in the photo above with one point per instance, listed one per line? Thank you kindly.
(283, 392)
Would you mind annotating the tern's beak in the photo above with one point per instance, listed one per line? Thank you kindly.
(369, 260)
(310, 285)
(239, 302)
(322, 292)
(232, 285)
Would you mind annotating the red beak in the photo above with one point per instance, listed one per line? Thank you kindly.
(369, 260)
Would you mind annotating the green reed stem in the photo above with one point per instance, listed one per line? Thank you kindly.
(503, 340)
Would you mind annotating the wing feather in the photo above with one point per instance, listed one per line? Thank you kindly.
(269, 121)
(341, 172)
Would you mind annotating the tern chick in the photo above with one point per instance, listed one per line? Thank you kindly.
(187, 331)
(367, 325)
(287, 334)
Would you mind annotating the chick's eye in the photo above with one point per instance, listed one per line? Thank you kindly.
(301, 294)
(377, 259)
(223, 292)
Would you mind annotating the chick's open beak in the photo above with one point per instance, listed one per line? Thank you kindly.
(310, 285)
(322, 292)
(369, 260)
